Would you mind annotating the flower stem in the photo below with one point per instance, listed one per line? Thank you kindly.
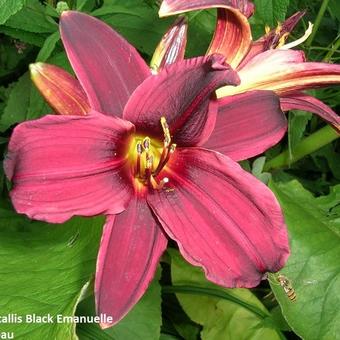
(317, 21)
(332, 51)
(308, 145)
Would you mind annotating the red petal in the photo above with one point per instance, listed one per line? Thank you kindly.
(232, 36)
(223, 218)
(107, 66)
(171, 7)
(302, 101)
(181, 93)
(172, 46)
(247, 125)
(283, 71)
(60, 89)
(63, 166)
(131, 246)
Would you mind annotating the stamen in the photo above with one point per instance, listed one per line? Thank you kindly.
(148, 167)
(160, 185)
(267, 29)
(146, 154)
(160, 165)
(278, 28)
(301, 40)
(149, 162)
(139, 153)
(166, 131)
(173, 148)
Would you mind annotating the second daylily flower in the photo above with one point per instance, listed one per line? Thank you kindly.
(264, 64)
(128, 147)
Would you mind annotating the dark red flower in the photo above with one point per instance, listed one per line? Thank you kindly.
(135, 156)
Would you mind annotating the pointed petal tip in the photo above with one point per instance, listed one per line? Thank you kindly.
(35, 68)
(106, 325)
(65, 14)
(164, 10)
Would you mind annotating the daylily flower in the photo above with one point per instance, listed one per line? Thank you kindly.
(266, 64)
(131, 151)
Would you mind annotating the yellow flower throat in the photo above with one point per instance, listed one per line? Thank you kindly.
(149, 157)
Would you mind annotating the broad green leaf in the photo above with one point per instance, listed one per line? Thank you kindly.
(49, 46)
(43, 269)
(24, 36)
(271, 11)
(137, 22)
(313, 267)
(175, 319)
(18, 101)
(223, 313)
(8, 8)
(142, 322)
(32, 18)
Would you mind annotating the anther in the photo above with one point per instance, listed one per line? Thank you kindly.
(166, 131)
(146, 143)
(172, 148)
(139, 148)
(164, 124)
(160, 185)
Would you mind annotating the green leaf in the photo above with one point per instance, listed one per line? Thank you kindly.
(32, 18)
(223, 313)
(37, 105)
(334, 8)
(313, 267)
(142, 322)
(9, 8)
(24, 36)
(18, 101)
(137, 22)
(201, 28)
(48, 47)
(43, 269)
(271, 11)
(257, 170)
(332, 158)
(85, 5)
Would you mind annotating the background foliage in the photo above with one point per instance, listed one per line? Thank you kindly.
(49, 268)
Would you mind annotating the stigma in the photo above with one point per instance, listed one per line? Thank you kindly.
(149, 157)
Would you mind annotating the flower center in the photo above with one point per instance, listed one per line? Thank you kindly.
(149, 157)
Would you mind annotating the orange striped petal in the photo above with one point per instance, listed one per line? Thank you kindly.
(282, 71)
(232, 36)
(62, 91)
